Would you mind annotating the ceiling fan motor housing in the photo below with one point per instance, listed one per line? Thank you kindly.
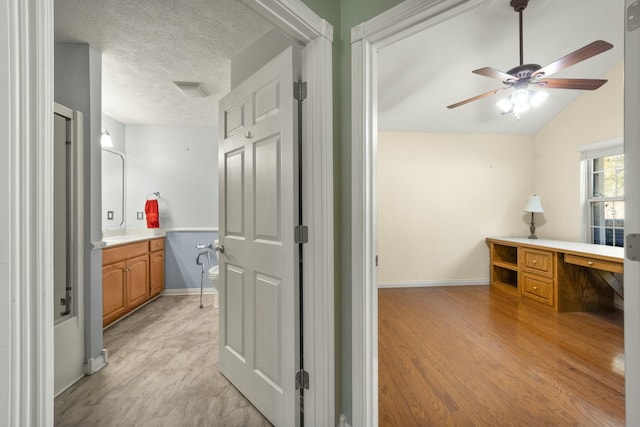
(519, 5)
(523, 72)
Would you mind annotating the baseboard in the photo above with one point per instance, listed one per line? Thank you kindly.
(188, 291)
(434, 283)
(94, 364)
(342, 421)
(69, 385)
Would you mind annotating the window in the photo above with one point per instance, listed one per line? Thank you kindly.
(605, 195)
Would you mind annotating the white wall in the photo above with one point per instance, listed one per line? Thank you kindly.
(594, 117)
(441, 195)
(181, 162)
(117, 130)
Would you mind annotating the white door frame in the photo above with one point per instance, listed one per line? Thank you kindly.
(397, 23)
(26, 68)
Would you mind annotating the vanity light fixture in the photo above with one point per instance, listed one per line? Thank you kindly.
(105, 139)
(533, 205)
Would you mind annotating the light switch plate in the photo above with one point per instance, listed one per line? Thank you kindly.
(110, 215)
(140, 216)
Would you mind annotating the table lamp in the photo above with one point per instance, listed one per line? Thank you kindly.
(533, 205)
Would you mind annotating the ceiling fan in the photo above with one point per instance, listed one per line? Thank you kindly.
(526, 76)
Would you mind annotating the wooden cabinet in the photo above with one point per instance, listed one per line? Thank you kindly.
(131, 275)
(114, 291)
(566, 276)
(156, 266)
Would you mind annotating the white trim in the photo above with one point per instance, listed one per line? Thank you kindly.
(434, 283)
(30, 59)
(94, 364)
(609, 147)
(294, 18)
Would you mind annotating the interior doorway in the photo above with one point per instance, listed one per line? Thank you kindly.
(369, 42)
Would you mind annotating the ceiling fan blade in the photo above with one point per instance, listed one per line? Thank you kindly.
(475, 98)
(586, 52)
(492, 73)
(582, 84)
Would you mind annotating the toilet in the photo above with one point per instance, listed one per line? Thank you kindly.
(214, 275)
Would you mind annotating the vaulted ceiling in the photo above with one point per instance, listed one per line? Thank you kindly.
(420, 76)
(148, 44)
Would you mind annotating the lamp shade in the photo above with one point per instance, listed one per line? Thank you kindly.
(534, 204)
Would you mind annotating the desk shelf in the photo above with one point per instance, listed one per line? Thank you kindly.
(504, 267)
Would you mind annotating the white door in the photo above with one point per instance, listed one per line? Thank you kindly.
(67, 294)
(258, 164)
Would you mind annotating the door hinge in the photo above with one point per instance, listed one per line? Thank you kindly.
(300, 90)
(376, 260)
(302, 380)
(301, 234)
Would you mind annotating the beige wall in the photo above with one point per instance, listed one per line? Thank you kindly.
(594, 117)
(440, 195)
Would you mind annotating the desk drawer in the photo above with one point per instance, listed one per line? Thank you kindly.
(538, 262)
(538, 288)
(614, 267)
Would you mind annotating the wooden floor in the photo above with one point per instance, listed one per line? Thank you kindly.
(162, 372)
(466, 356)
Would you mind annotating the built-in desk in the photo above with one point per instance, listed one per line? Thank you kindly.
(566, 276)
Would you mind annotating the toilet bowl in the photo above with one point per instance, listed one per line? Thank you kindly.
(214, 276)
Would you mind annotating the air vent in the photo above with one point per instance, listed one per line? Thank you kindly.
(193, 89)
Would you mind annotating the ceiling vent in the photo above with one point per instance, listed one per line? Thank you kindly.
(193, 89)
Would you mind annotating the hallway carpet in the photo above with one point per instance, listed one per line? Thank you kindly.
(162, 372)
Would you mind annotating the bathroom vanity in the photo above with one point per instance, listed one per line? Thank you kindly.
(132, 274)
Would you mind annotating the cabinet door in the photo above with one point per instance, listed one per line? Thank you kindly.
(156, 272)
(137, 281)
(114, 303)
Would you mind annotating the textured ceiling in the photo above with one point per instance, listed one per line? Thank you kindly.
(147, 44)
(420, 76)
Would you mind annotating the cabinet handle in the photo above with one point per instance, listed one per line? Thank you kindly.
(535, 288)
(535, 261)
(589, 262)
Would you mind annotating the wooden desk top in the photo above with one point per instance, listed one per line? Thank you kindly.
(607, 253)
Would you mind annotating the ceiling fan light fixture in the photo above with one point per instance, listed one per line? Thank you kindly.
(537, 98)
(504, 105)
(520, 97)
(521, 108)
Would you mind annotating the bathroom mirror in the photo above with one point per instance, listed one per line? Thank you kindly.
(113, 185)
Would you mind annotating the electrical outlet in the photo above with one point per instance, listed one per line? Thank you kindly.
(140, 216)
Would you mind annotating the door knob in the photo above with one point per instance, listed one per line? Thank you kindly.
(220, 249)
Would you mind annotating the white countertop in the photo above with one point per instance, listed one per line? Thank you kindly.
(562, 246)
(129, 238)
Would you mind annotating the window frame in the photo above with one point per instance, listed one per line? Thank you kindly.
(587, 154)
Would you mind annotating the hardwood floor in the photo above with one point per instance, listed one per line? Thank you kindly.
(162, 371)
(467, 356)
